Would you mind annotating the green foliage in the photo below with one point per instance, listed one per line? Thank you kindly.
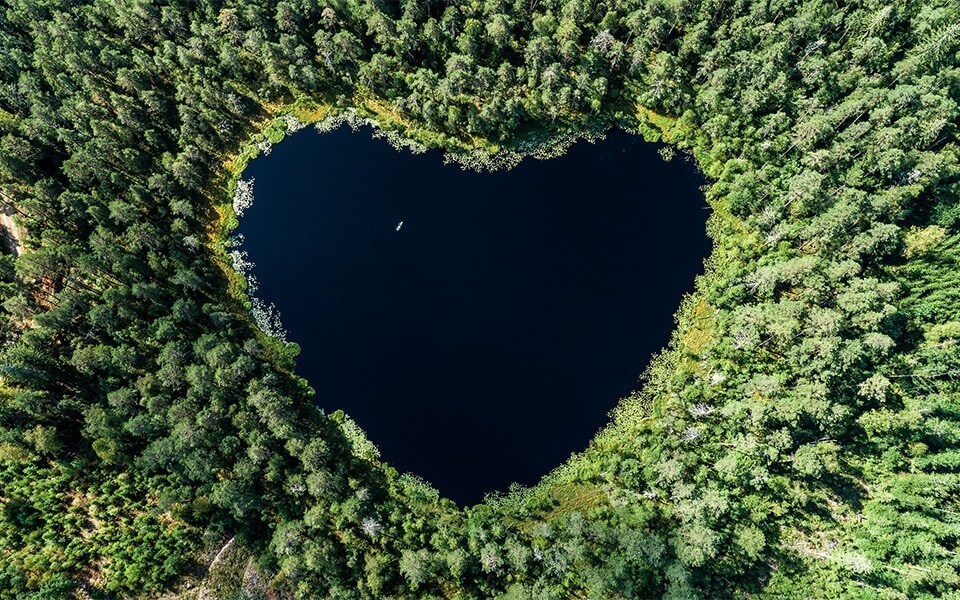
(798, 438)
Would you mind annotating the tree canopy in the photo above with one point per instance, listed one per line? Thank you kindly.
(801, 432)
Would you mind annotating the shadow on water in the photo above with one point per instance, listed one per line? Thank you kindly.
(485, 339)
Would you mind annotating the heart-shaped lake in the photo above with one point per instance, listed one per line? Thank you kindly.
(485, 338)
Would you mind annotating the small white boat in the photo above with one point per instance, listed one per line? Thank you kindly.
(399, 225)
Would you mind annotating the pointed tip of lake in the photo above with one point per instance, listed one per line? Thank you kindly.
(478, 326)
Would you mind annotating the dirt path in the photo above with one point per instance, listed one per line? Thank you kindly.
(11, 235)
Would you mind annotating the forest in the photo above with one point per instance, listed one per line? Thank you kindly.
(799, 437)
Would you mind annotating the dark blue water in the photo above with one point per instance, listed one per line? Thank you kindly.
(487, 339)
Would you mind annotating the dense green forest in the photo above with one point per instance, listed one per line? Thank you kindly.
(799, 438)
